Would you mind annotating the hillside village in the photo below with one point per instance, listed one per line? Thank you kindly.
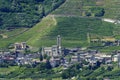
(57, 56)
(59, 40)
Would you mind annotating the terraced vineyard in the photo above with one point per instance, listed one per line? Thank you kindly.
(112, 8)
(67, 22)
(77, 7)
(77, 28)
(70, 8)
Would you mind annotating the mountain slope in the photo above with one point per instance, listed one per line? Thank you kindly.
(33, 34)
(83, 8)
(75, 28)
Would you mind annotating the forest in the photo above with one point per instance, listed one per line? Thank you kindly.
(25, 13)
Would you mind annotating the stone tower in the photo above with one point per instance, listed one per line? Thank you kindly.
(59, 44)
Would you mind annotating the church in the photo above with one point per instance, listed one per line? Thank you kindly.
(54, 50)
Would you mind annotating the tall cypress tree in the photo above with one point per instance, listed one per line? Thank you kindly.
(41, 57)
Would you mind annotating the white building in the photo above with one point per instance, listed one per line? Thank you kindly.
(115, 58)
(20, 46)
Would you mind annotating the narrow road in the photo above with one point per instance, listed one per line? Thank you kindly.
(103, 19)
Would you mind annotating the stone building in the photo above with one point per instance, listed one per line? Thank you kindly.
(20, 46)
(54, 50)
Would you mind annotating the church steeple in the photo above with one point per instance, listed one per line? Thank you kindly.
(59, 44)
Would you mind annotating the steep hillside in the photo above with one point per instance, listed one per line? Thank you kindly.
(99, 8)
(31, 35)
(71, 22)
(74, 32)
(81, 8)
(25, 13)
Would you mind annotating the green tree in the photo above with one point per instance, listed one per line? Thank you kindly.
(87, 13)
(97, 11)
(41, 66)
(102, 69)
(1, 22)
(45, 56)
(98, 63)
(65, 75)
(109, 68)
(48, 65)
(41, 57)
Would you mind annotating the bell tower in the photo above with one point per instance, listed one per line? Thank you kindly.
(59, 44)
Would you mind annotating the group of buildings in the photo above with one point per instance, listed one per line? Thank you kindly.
(20, 46)
(58, 56)
(18, 58)
(77, 55)
(106, 41)
(90, 56)
(55, 50)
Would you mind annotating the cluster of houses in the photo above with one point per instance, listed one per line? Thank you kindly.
(90, 56)
(107, 41)
(17, 58)
(58, 56)
(76, 56)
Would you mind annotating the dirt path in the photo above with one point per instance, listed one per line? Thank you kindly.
(62, 15)
(55, 22)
